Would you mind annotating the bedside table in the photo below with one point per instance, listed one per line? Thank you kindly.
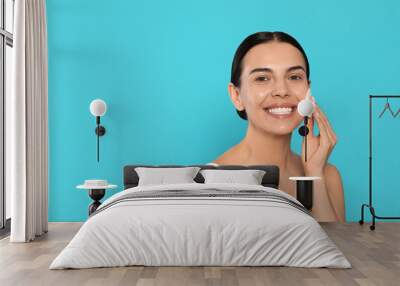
(97, 190)
(304, 190)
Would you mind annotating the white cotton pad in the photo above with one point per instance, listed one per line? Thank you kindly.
(305, 107)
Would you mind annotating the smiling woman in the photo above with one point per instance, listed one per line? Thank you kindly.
(269, 77)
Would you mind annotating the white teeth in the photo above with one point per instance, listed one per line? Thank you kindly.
(280, 110)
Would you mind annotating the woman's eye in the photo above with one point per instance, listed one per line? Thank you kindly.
(295, 77)
(261, 78)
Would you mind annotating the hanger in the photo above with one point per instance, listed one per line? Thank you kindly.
(387, 106)
(398, 111)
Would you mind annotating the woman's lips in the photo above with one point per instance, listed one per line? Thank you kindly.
(280, 116)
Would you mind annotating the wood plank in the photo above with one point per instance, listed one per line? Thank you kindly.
(374, 255)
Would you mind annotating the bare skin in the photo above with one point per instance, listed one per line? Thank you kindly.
(274, 73)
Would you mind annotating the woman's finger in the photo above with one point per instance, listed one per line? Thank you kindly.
(330, 132)
(312, 122)
(325, 141)
(329, 129)
(310, 125)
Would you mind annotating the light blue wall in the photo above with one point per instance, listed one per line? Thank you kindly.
(163, 69)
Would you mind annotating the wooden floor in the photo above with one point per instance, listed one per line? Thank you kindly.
(374, 255)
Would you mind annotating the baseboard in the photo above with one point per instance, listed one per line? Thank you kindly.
(5, 231)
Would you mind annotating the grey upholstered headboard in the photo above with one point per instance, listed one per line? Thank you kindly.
(270, 179)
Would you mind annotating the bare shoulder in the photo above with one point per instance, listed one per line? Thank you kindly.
(222, 158)
(335, 190)
(333, 181)
(231, 156)
(331, 173)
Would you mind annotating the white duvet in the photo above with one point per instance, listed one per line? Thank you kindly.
(200, 231)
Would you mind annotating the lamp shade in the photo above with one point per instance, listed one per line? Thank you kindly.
(98, 107)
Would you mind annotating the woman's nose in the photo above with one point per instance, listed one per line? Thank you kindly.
(280, 89)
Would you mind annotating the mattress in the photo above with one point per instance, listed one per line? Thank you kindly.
(201, 225)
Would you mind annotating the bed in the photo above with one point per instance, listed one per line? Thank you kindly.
(201, 224)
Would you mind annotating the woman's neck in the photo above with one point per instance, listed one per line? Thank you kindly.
(260, 147)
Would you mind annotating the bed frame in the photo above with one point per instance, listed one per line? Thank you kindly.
(270, 179)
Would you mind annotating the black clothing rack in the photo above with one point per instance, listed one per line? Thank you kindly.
(369, 205)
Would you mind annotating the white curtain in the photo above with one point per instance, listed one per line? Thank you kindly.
(27, 124)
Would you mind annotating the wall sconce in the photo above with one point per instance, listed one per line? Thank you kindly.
(98, 108)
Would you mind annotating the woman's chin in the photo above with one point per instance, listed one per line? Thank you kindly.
(278, 125)
(280, 130)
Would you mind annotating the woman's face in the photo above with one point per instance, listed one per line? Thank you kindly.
(273, 75)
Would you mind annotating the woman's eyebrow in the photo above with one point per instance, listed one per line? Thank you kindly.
(296, 68)
(260, 70)
(270, 70)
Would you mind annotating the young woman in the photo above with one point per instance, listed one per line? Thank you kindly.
(269, 77)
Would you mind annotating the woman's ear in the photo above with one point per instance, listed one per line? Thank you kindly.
(235, 96)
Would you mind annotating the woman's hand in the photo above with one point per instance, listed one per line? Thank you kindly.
(318, 147)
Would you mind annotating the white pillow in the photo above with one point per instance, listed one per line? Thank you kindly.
(161, 176)
(249, 177)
